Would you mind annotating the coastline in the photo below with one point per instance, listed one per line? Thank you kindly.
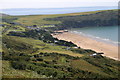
(85, 42)
(106, 41)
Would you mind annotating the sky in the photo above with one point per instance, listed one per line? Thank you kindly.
(5, 4)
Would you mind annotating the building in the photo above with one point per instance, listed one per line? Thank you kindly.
(95, 54)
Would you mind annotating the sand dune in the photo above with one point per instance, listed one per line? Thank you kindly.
(109, 50)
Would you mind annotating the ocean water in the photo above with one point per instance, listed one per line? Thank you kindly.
(107, 34)
(37, 11)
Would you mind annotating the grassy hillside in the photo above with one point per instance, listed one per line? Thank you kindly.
(23, 54)
(28, 54)
(103, 18)
(9, 72)
(31, 52)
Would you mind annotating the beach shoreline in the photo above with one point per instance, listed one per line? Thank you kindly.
(85, 42)
(106, 41)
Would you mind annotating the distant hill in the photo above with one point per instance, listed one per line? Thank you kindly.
(101, 18)
(83, 19)
(2, 14)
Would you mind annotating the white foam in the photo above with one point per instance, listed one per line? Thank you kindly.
(98, 38)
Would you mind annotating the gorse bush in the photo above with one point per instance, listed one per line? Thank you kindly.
(22, 65)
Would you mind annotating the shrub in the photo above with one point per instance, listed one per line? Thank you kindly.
(19, 65)
(39, 59)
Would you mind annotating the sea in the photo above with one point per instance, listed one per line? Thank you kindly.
(107, 34)
(45, 11)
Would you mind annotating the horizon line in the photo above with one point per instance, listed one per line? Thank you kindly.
(56, 7)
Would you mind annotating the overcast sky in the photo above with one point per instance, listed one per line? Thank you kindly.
(55, 3)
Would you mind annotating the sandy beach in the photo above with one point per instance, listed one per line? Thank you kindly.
(84, 42)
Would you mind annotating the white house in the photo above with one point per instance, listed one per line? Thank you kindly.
(93, 54)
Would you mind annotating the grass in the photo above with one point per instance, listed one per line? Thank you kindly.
(9, 72)
(39, 19)
(7, 29)
(36, 20)
(83, 65)
(43, 47)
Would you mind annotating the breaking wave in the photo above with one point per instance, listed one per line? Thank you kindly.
(97, 38)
